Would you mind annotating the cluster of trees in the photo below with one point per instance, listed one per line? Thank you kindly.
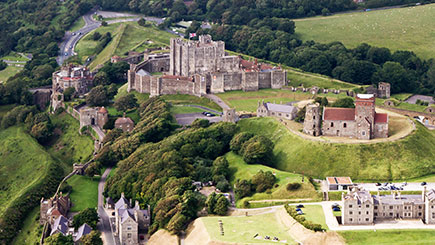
(103, 40)
(93, 238)
(3, 65)
(254, 149)
(159, 171)
(291, 210)
(217, 204)
(260, 182)
(88, 216)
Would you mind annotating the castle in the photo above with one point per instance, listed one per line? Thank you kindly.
(276, 110)
(361, 122)
(53, 208)
(70, 76)
(198, 68)
(383, 90)
(93, 116)
(362, 208)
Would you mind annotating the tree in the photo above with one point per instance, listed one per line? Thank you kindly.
(104, 23)
(59, 239)
(323, 101)
(344, 103)
(92, 238)
(126, 102)
(101, 79)
(97, 97)
(221, 167)
(238, 141)
(3, 65)
(258, 149)
(41, 132)
(88, 216)
(68, 93)
(263, 181)
(200, 123)
(221, 206)
(211, 203)
(96, 36)
(243, 188)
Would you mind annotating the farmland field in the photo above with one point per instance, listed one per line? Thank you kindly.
(398, 29)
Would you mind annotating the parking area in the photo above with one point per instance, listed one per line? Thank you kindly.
(187, 119)
(404, 186)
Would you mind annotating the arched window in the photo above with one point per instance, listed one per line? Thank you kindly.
(344, 125)
(314, 117)
(332, 124)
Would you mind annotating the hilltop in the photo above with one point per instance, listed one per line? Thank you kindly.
(402, 159)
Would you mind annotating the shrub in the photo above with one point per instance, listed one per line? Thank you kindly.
(200, 123)
(293, 186)
(258, 150)
(263, 181)
(291, 210)
(238, 141)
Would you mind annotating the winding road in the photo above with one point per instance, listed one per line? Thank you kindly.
(104, 224)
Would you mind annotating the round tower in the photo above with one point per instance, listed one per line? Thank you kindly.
(312, 121)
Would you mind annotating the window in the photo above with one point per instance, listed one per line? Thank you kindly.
(367, 212)
(419, 213)
(376, 207)
(359, 212)
(391, 207)
(344, 125)
(376, 214)
(332, 124)
(287, 115)
(350, 212)
(129, 228)
(406, 207)
(350, 205)
(363, 133)
(433, 215)
(367, 219)
(419, 207)
(367, 206)
(314, 117)
(350, 219)
(279, 114)
(391, 214)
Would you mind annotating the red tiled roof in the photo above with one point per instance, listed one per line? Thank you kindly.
(339, 180)
(345, 114)
(246, 64)
(124, 120)
(381, 118)
(102, 110)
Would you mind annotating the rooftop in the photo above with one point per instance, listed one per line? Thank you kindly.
(398, 199)
(343, 114)
(339, 180)
(381, 118)
(365, 96)
(280, 108)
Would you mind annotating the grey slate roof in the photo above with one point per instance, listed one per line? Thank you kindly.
(125, 213)
(122, 202)
(82, 231)
(281, 108)
(391, 200)
(430, 195)
(142, 72)
(61, 225)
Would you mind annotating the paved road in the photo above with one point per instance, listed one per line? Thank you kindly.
(104, 225)
(217, 100)
(188, 118)
(205, 108)
(99, 132)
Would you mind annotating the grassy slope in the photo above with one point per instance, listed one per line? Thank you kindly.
(84, 192)
(9, 72)
(23, 163)
(241, 170)
(242, 229)
(404, 159)
(185, 99)
(389, 237)
(70, 147)
(398, 29)
(31, 231)
(248, 101)
(79, 23)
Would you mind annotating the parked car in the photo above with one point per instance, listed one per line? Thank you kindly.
(423, 183)
(378, 184)
(335, 205)
(298, 209)
(209, 114)
(336, 209)
(386, 183)
(300, 206)
(300, 212)
(66, 54)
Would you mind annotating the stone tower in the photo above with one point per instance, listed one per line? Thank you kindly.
(230, 115)
(312, 120)
(384, 90)
(365, 116)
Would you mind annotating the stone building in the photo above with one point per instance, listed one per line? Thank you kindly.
(198, 68)
(230, 115)
(312, 121)
(78, 77)
(130, 221)
(93, 116)
(361, 122)
(276, 110)
(51, 209)
(362, 208)
(383, 90)
(62, 225)
(124, 123)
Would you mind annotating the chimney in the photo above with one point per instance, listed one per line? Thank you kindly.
(122, 194)
(423, 194)
(123, 115)
(136, 204)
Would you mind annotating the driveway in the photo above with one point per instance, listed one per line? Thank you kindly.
(104, 225)
(187, 119)
(217, 100)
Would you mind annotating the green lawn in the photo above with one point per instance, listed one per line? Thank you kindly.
(397, 29)
(84, 192)
(401, 96)
(402, 105)
(407, 158)
(23, 163)
(185, 99)
(401, 237)
(241, 170)
(131, 114)
(248, 101)
(427, 178)
(78, 24)
(297, 78)
(70, 146)
(9, 72)
(241, 230)
(314, 213)
(180, 109)
(139, 96)
(31, 231)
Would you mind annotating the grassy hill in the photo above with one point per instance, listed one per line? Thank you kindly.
(403, 159)
(398, 29)
(23, 162)
(398, 237)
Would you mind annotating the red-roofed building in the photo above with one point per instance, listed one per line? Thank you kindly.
(338, 183)
(361, 122)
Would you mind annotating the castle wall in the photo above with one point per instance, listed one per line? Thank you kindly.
(278, 79)
(228, 63)
(157, 65)
(264, 79)
(232, 81)
(174, 86)
(381, 130)
(250, 81)
(339, 128)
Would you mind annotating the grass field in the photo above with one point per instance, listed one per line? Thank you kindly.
(78, 24)
(23, 162)
(401, 237)
(248, 101)
(9, 72)
(70, 146)
(297, 78)
(241, 170)
(31, 230)
(314, 213)
(185, 99)
(241, 230)
(402, 105)
(131, 114)
(407, 158)
(397, 29)
(84, 192)
(139, 96)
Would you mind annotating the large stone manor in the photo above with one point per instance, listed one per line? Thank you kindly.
(201, 67)
(361, 122)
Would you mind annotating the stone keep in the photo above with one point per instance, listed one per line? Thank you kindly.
(312, 120)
